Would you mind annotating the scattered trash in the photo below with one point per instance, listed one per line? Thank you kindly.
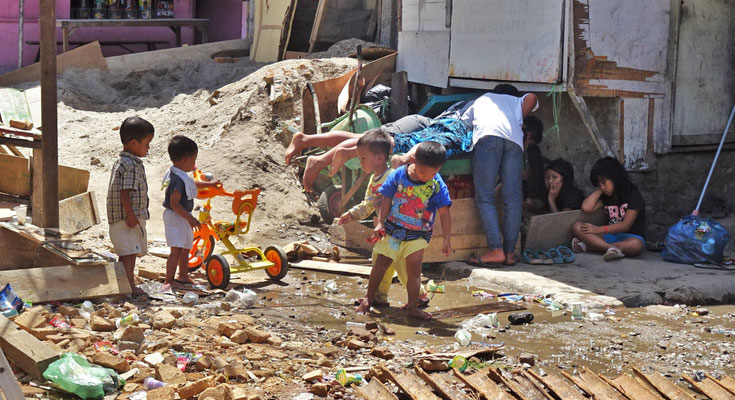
(154, 359)
(86, 310)
(60, 323)
(577, 312)
(422, 333)
(244, 299)
(352, 324)
(157, 290)
(190, 298)
(434, 288)
(139, 395)
(511, 297)
(346, 379)
(74, 374)
(10, 304)
(595, 317)
(330, 286)
(459, 363)
(482, 324)
(463, 337)
(483, 294)
(183, 359)
(520, 318)
(127, 320)
(151, 383)
(105, 345)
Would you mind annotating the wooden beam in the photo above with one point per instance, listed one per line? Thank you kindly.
(628, 386)
(78, 213)
(317, 24)
(709, 388)
(337, 268)
(375, 390)
(589, 123)
(441, 385)
(557, 386)
(8, 383)
(593, 385)
(41, 285)
(727, 383)
(45, 175)
(524, 388)
(28, 353)
(410, 385)
(664, 387)
(483, 385)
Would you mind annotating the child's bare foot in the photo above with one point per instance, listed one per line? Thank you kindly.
(311, 171)
(341, 156)
(295, 147)
(416, 313)
(185, 280)
(364, 307)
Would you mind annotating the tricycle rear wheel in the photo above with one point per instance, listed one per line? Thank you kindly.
(277, 256)
(218, 272)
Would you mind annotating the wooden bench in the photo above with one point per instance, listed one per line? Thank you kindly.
(150, 44)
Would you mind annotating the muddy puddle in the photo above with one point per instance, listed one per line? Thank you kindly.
(671, 340)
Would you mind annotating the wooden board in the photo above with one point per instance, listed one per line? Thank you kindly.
(482, 384)
(463, 247)
(375, 390)
(8, 383)
(553, 230)
(425, 57)
(337, 268)
(593, 385)
(68, 282)
(269, 23)
(441, 385)
(28, 353)
(78, 213)
(709, 388)
(409, 385)
(20, 251)
(522, 386)
(728, 383)
(498, 306)
(557, 386)
(88, 56)
(15, 178)
(628, 386)
(666, 388)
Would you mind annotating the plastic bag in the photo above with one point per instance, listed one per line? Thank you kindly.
(695, 240)
(76, 375)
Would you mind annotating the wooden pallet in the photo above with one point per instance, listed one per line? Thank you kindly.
(497, 384)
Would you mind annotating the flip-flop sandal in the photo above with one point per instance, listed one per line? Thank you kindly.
(544, 257)
(578, 244)
(530, 257)
(613, 253)
(556, 257)
(422, 304)
(566, 253)
(481, 264)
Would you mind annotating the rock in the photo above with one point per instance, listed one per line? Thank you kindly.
(220, 392)
(323, 361)
(244, 319)
(32, 318)
(274, 341)
(68, 311)
(388, 331)
(371, 326)
(256, 335)
(356, 344)
(153, 359)
(163, 319)
(169, 374)
(163, 393)
(227, 329)
(75, 346)
(78, 322)
(219, 363)
(382, 352)
(240, 337)
(702, 311)
(363, 334)
(101, 324)
(225, 306)
(133, 334)
(527, 358)
(204, 363)
(236, 370)
(520, 318)
(108, 360)
(264, 373)
(642, 299)
(433, 365)
(194, 388)
(684, 295)
(320, 389)
(123, 345)
(314, 375)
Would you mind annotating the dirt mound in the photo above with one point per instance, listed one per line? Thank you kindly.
(225, 108)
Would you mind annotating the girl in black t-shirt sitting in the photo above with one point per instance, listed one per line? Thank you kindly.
(562, 193)
(626, 211)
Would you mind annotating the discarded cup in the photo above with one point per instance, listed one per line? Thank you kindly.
(459, 363)
(463, 337)
(330, 286)
(520, 318)
(131, 319)
(86, 310)
(152, 383)
(346, 379)
(577, 312)
(20, 213)
(190, 298)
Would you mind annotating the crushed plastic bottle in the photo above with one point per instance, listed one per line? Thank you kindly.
(244, 299)
(127, 320)
(577, 312)
(86, 310)
(708, 247)
(352, 324)
(345, 379)
(330, 286)
(152, 383)
(463, 337)
(190, 298)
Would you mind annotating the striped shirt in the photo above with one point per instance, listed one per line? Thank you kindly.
(127, 173)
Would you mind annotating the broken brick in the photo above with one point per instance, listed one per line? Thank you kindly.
(163, 319)
(227, 329)
(133, 334)
(169, 374)
(382, 352)
(240, 337)
(108, 360)
(314, 375)
(256, 335)
(194, 388)
(162, 393)
(320, 389)
(101, 324)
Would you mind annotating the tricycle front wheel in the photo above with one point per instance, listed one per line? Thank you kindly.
(277, 256)
(218, 272)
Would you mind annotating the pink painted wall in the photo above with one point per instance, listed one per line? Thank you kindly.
(227, 17)
(9, 31)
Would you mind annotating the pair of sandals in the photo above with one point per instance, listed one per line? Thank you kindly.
(612, 253)
(559, 255)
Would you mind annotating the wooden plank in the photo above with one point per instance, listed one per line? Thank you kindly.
(337, 268)
(483, 385)
(524, 388)
(409, 385)
(709, 388)
(15, 178)
(78, 213)
(465, 218)
(28, 353)
(558, 386)
(589, 122)
(727, 383)
(83, 57)
(593, 385)
(663, 385)
(399, 95)
(375, 390)
(317, 24)
(530, 385)
(628, 386)
(8, 383)
(19, 251)
(68, 282)
(553, 230)
(498, 306)
(441, 385)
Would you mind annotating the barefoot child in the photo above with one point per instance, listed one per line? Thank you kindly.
(373, 149)
(127, 196)
(412, 194)
(178, 203)
(623, 236)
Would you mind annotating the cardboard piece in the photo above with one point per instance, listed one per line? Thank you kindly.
(68, 282)
(78, 213)
(15, 178)
(28, 353)
(553, 230)
(88, 56)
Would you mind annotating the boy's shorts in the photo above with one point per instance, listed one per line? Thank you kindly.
(178, 231)
(129, 241)
(398, 250)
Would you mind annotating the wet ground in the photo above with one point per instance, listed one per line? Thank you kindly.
(671, 340)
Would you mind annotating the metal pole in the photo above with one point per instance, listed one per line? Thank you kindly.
(20, 33)
(712, 168)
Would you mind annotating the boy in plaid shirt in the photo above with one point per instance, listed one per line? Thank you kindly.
(127, 196)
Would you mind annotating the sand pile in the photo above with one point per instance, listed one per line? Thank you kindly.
(225, 108)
